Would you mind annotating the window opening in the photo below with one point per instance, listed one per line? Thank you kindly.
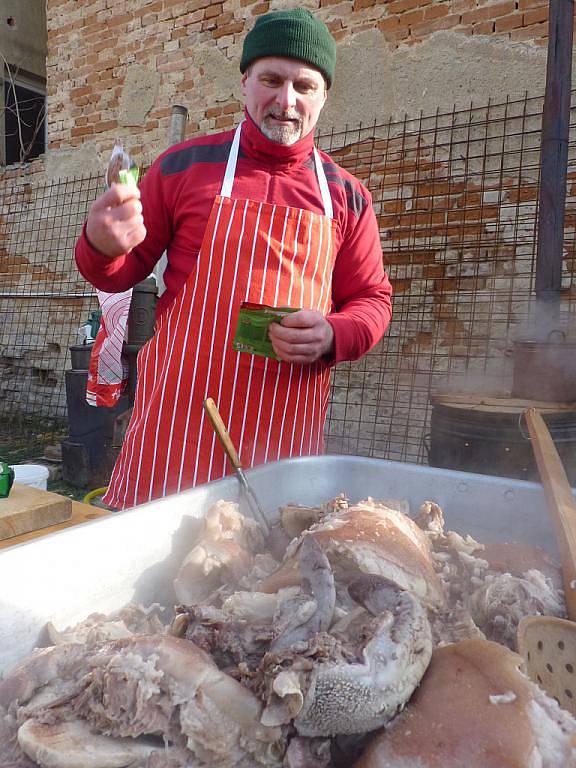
(24, 119)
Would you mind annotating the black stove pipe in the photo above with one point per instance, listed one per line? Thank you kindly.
(554, 159)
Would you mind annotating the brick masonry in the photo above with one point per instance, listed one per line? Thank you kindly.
(93, 44)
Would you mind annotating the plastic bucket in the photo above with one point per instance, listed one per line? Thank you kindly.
(35, 475)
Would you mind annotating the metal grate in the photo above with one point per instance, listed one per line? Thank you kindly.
(456, 196)
(43, 301)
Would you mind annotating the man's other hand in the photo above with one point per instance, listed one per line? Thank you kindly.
(303, 337)
(115, 223)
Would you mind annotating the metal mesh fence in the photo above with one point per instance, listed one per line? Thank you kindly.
(43, 301)
(456, 197)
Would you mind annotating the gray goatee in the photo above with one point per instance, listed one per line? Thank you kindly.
(282, 134)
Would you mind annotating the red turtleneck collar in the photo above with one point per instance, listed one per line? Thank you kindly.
(254, 144)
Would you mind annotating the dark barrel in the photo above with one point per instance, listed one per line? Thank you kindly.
(142, 315)
(496, 443)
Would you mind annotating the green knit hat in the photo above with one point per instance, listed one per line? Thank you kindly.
(294, 34)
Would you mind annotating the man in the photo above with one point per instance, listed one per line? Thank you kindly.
(257, 215)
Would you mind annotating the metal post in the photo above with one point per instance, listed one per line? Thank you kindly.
(178, 124)
(553, 160)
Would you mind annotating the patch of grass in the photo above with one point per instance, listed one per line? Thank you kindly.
(24, 438)
(59, 486)
(20, 455)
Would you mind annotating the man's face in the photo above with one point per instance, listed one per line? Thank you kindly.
(284, 97)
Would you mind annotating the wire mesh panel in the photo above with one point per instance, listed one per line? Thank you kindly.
(455, 195)
(43, 299)
(456, 198)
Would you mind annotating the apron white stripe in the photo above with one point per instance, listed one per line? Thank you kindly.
(290, 289)
(315, 272)
(145, 436)
(165, 376)
(325, 399)
(121, 487)
(325, 291)
(265, 373)
(246, 401)
(279, 274)
(295, 252)
(327, 288)
(319, 253)
(275, 303)
(130, 437)
(314, 403)
(256, 430)
(273, 410)
(302, 285)
(208, 370)
(283, 422)
(227, 349)
(280, 364)
(203, 297)
(244, 397)
(267, 254)
(295, 421)
(182, 360)
(303, 275)
(307, 391)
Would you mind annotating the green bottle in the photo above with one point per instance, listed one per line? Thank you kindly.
(6, 479)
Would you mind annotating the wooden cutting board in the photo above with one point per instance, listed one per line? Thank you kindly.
(28, 509)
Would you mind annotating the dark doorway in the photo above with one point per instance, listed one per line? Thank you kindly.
(24, 121)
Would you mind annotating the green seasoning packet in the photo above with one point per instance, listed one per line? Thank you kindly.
(252, 330)
(129, 176)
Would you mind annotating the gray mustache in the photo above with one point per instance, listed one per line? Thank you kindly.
(289, 115)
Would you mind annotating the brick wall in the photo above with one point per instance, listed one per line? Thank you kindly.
(411, 21)
(91, 45)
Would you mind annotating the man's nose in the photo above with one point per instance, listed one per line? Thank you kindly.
(286, 96)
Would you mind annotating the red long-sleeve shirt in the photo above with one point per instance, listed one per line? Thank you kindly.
(177, 194)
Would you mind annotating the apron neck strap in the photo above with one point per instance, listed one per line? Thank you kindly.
(323, 184)
(226, 190)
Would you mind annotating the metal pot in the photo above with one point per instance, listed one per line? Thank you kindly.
(494, 442)
(80, 356)
(545, 370)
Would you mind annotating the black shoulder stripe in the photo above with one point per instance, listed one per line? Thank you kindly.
(331, 169)
(178, 161)
(355, 201)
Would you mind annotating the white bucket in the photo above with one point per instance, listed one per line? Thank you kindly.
(35, 475)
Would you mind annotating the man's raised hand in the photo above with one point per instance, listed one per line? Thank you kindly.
(115, 224)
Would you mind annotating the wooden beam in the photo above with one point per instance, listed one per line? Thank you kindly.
(561, 503)
(554, 150)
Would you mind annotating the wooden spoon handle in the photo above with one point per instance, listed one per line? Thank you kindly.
(560, 500)
(220, 429)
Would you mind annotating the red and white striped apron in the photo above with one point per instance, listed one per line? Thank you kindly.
(251, 251)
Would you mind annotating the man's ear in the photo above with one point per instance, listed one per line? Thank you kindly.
(243, 81)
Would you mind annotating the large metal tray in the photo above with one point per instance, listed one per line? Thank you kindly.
(133, 556)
